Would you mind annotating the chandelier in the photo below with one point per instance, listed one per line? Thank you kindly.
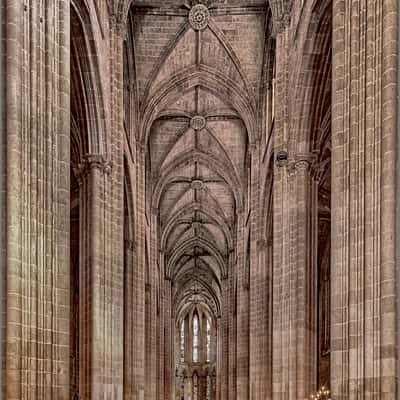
(322, 394)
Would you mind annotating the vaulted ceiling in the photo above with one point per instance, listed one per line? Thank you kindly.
(198, 69)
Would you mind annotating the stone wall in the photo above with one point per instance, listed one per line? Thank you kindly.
(256, 147)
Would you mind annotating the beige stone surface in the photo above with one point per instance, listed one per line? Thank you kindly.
(200, 199)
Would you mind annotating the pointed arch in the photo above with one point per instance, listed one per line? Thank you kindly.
(220, 168)
(186, 80)
(84, 45)
(202, 243)
(210, 212)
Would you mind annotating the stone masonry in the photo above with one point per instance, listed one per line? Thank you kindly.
(199, 199)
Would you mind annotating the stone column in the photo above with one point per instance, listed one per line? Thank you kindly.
(259, 327)
(363, 270)
(259, 368)
(293, 335)
(151, 298)
(169, 342)
(36, 241)
(283, 200)
(128, 325)
(114, 214)
(239, 387)
(96, 285)
(138, 308)
(224, 346)
(303, 299)
(219, 356)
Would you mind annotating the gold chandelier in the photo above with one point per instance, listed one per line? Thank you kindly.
(322, 394)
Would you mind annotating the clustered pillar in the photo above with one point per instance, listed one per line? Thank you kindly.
(36, 119)
(265, 327)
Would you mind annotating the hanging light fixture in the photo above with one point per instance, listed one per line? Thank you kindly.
(322, 394)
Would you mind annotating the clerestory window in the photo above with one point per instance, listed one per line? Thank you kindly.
(208, 341)
(182, 341)
(195, 338)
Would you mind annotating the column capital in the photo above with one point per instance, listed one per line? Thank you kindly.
(304, 161)
(302, 165)
(98, 161)
(89, 162)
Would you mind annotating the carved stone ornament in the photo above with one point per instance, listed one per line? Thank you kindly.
(198, 122)
(197, 184)
(198, 17)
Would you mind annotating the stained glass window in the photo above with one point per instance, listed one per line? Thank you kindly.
(195, 386)
(182, 341)
(208, 341)
(195, 338)
(208, 390)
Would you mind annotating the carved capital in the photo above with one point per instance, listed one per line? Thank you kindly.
(302, 165)
(90, 162)
(98, 161)
(304, 162)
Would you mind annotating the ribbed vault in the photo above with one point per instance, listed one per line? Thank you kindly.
(197, 99)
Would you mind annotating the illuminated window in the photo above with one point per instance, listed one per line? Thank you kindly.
(195, 338)
(182, 344)
(208, 341)
(195, 386)
(208, 390)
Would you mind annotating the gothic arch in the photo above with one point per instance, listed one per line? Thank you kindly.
(90, 81)
(211, 212)
(186, 80)
(232, 181)
(313, 94)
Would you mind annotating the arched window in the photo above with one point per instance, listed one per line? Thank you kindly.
(182, 341)
(208, 389)
(208, 341)
(195, 386)
(195, 338)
